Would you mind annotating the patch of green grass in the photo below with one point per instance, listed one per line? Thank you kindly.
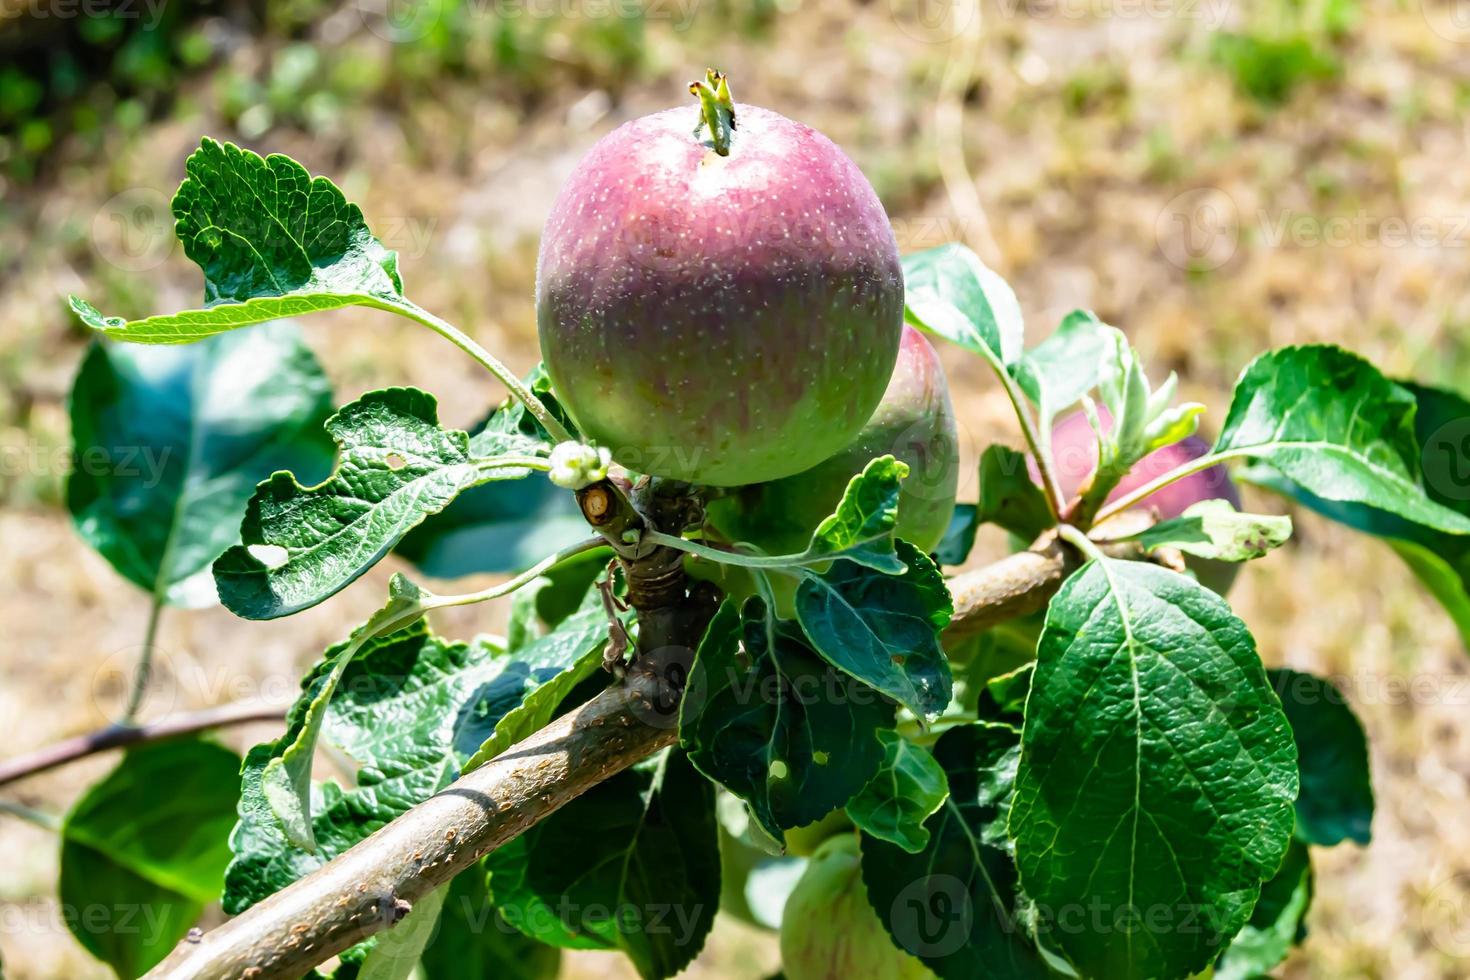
(1288, 43)
(1269, 69)
(1164, 162)
(1094, 88)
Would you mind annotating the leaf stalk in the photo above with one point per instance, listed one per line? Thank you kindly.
(511, 585)
(490, 362)
(1135, 497)
(144, 670)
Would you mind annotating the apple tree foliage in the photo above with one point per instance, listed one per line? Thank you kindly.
(1116, 789)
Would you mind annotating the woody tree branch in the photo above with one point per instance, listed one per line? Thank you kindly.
(374, 884)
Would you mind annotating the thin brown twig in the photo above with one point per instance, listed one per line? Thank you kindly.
(121, 736)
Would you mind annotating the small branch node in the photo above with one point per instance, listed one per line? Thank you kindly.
(598, 503)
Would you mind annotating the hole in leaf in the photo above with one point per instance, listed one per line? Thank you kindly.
(779, 770)
(269, 555)
(820, 758)
(396, 462)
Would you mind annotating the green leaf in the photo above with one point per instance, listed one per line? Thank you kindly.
(861, 529)
(1008, 497)
(286, 779)
(551, 666)
(1002, 700)
(1057, 372)
(645, 879)
(272, 241)
(1449, 583)
(395, 954)
(499, 527)
(1330, 421)
(151, 862)
(525, 625)
(959, 537)
(828, 928)
(948, 291)
(777, 726)
(1215, 529)
(1441, 562)
(168, 445)
(396, 467)
(511, 424)
(408, 710)
(1336, 801)
(953, 904)
(1276, 925)
(1442, 425)
(475, 940)
(1003, 655)
(883, 629)
(541, 605)
(1157, 772)
(503, 526)
(909, 786)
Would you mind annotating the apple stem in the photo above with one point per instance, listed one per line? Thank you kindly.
(716, 109)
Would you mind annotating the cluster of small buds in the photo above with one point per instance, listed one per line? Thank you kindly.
(1143, 419)
(574, 465)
